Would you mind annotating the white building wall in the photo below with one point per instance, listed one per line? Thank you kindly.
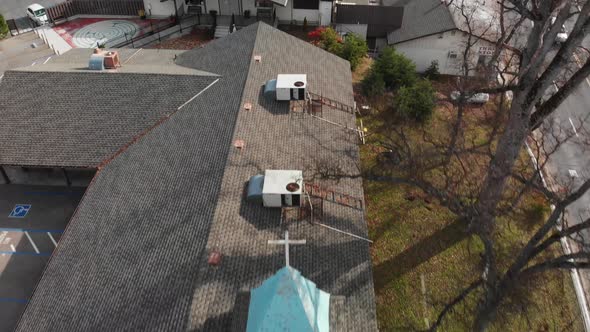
(288, 14)
(157, 8)
(249, 5)
(438, 47)
(212, 5)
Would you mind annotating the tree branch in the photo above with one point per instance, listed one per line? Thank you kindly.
(566, 90)
(449, 307)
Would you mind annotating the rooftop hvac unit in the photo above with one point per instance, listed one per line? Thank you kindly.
(111, 60)
(100, 60)
(291, 86)
(270, 89)
(282, 188)
(96, 62)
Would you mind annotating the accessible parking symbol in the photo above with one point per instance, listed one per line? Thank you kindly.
(20, 211)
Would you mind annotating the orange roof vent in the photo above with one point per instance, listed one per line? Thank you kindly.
(239, 144)
(214, 258)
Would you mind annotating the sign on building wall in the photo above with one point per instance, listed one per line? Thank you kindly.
(486, 50)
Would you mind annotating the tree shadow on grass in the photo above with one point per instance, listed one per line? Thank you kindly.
(420, 252)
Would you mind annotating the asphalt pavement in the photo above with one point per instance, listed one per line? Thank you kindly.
(32, 219)
(569, 166)
(17, 10)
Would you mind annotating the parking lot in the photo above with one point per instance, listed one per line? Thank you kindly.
(17, 9)
(32, 219)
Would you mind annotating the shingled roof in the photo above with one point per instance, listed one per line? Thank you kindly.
(64, 115)
(134, 255)
(421, 18)
(380, 19)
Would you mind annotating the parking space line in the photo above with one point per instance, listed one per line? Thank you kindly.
(575, 131)
(52, 239)
(25, 253)
(12, 299)
(32, 243)
(31, 230)
(46, 60)
(13, 248)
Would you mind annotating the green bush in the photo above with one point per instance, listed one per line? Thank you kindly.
(397, 70)
(373, 84)
(432, 72)
(3, 27)
(354, 50)
(415, 102)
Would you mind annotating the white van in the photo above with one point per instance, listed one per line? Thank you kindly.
(36, 12)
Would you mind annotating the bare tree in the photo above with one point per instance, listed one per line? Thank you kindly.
(527, 62)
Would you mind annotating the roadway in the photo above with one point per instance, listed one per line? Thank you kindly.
(569, 166)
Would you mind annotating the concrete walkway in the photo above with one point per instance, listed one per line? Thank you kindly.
(18, 51)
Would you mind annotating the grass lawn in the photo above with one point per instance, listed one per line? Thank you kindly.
(422, 258)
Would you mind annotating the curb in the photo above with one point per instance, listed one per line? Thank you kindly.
(576, 279)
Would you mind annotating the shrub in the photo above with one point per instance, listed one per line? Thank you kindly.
(3, 27)
(432, 72)
(415, 102)
(354, 50)
(326, 38)
(305, 23)
(397, 70)
(373, 84)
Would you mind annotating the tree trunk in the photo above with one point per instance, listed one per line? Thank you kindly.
(483, 224)
(507, 153)
(486, 312)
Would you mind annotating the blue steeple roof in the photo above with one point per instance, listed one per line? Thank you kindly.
(288, 301)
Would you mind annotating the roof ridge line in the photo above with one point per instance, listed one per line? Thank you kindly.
(108, 71)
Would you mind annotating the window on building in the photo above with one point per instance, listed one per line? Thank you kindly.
(306, 4)
(452, 55)
(483, 60)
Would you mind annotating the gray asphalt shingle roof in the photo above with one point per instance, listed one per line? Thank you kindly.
(421, 18)
(134, 255)
(380, 19)
(81, 119)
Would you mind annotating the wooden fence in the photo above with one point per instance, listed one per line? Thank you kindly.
(94, 7)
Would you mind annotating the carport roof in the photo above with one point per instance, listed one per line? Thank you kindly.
(134, 256)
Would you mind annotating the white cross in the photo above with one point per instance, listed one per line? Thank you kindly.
(286, 242)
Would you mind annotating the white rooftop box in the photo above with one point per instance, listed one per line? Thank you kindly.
(291, 86)
(282, 188)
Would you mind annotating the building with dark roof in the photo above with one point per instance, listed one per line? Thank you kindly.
(372, 22)
(169, 191)
(425, 31)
